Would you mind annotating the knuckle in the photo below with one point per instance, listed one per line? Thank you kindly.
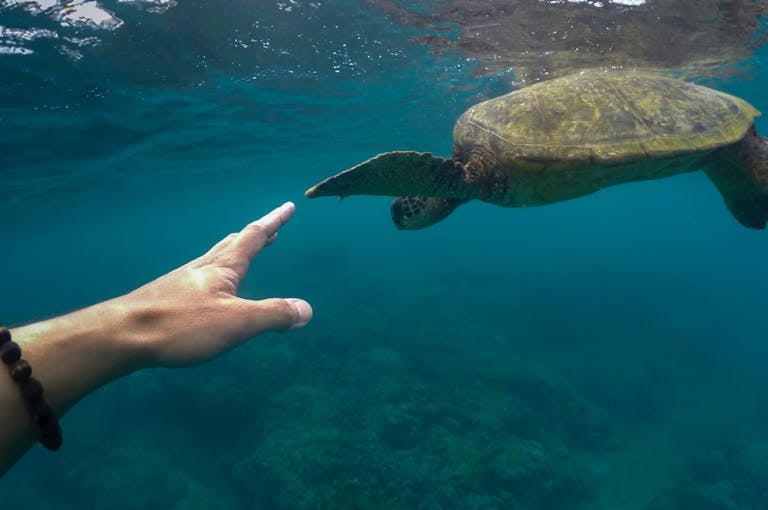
(284, 309)
(279, 314)
(258, 229)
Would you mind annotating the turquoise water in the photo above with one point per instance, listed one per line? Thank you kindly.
(603, 353)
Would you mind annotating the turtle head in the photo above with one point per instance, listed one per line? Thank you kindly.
(413, 213)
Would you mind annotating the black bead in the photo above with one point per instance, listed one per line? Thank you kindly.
(20, 370)
(10, 352)
(49, 431)
(50, 435)
(50, 428)
(31, 390)
(41, 413)
(5, 335)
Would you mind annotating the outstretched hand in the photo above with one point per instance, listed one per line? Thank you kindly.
(186, 316)
(193, 313)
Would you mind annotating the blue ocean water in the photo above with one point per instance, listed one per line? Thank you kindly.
(601, 353)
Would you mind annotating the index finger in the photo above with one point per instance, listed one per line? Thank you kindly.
(271, 222)
(257, 234)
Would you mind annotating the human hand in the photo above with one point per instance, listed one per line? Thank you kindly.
(193, 313)
(186, 316)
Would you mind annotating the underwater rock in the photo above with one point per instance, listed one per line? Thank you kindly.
(162, 484)
(371, 431)
(384, 360)
(720, 476)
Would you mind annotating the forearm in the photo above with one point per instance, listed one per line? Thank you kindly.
(71, 356)
(186, 316)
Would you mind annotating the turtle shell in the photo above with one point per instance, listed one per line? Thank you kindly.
(601, 117)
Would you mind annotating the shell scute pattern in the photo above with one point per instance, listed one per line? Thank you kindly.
(614, 117)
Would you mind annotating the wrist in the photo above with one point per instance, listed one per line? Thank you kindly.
(76, 353)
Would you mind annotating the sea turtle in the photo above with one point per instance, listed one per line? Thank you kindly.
(571, 136)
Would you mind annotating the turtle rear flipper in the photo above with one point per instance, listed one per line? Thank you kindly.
(413, 213)
(740, 173)
(398, 173)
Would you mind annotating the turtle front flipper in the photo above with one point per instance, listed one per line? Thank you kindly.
(413, 213)
(398, 173)
(740, 173)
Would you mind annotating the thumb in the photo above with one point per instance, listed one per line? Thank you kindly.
(276, 314)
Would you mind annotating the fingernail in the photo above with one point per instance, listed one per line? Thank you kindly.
(304, 311)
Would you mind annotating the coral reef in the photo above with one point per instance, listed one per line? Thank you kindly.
(369, 431)
(721, 476)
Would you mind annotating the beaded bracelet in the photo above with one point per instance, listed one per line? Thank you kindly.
(48, 430)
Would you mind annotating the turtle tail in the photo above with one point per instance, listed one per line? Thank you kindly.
(398, 173)
(740, 173)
